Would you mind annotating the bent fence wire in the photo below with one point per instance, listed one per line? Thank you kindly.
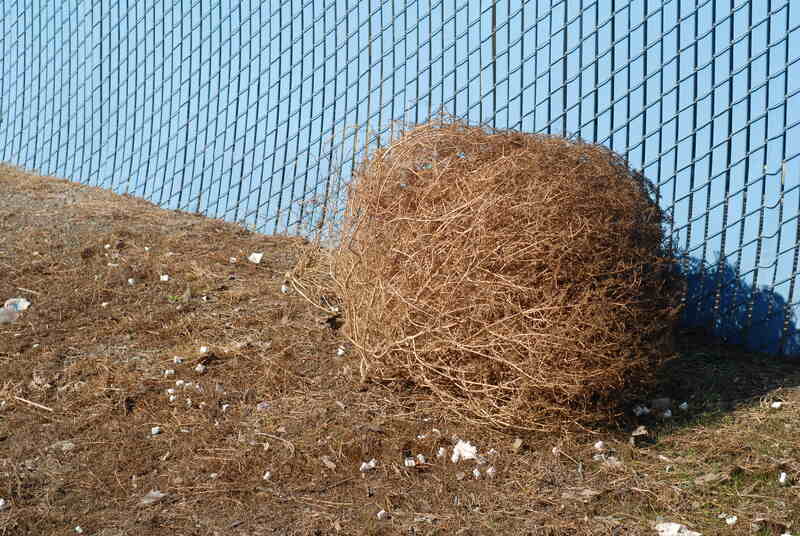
(242, 109)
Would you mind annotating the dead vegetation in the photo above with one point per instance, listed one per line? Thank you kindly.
(84, 382)
(523, 279)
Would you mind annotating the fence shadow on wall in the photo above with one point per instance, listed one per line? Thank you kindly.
(720, 304)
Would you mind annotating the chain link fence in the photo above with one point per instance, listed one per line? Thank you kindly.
(257, 111)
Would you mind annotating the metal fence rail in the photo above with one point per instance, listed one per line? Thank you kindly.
(244, 109)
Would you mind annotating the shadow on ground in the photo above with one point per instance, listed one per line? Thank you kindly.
(736, 344)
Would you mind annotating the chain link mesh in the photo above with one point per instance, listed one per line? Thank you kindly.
(257, 111)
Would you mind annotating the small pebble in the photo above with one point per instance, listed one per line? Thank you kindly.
(79, 529)
(783, 478)
(667, 414)
(131, 281)
(441, 452)
(640, 410)
(262, 406)
(232, 260)
(173, 398)
(284, 289)
(600, 445)
(340, 351)
(491, 471)
(200, 368)
(476, 473)
(179, 383)
(171, 391)
(169, 372)
(421, 458)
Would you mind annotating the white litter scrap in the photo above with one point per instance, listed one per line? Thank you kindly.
(17, 304)
(4, 505)
(600, 445)
(200, 368)
(164, 277)
(173, 398)
(441, 452)
(131, 281)
(155, 430)
(255, 258)
(783, 478)
(674, 529)
(641, 410)
(152, 497)
(463, 450)
(12, 309)
(491, 471)
(383, 515)
(667, 414)
(476, 473)
(776, 405)
(683, 406)
(79, 529)
(731, 520)
(267, 476)
(421, 458)
(284, 288)
(169, 372)
(232, 260)
(368, 466)
(204, 349)
(177, 360)
(410, 462)
(340, 351)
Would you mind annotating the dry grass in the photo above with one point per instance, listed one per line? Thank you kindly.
(523, 279)
(81, 386)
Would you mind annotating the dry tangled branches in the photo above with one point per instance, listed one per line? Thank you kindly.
(521, 278)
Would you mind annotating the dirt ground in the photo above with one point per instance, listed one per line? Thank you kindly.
(161, 383)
